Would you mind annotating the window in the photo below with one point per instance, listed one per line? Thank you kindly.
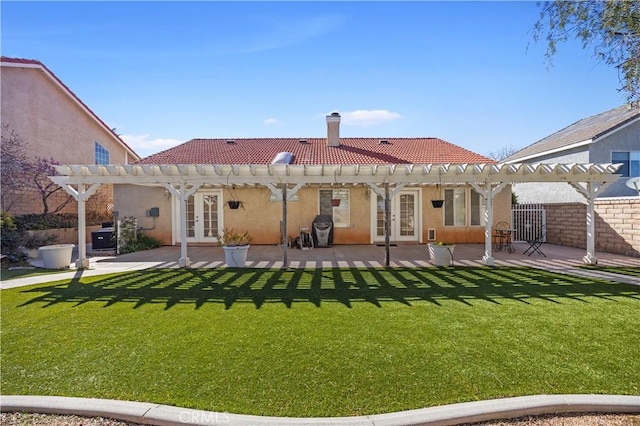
(339, 213)
(101, 153)
(455, 207)
(477, 209)
(630, 162)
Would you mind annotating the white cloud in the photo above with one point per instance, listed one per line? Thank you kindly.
(271, 122)
(368, 117)
(144, 145)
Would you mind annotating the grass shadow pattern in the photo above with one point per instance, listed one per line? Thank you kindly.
(347, 286)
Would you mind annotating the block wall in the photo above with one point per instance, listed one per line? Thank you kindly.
(617, 225)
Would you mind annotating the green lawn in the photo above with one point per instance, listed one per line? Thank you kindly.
(624, 270)
(330, 342)
(10, 274)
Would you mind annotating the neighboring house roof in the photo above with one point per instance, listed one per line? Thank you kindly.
(316, 151)
(582, 132)
(31, 63)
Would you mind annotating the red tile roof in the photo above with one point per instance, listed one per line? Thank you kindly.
(39, 64)
(316, 151)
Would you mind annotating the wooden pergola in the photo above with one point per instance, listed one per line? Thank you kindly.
(284, 181)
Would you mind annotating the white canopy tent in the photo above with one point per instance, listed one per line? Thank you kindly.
(284, 180)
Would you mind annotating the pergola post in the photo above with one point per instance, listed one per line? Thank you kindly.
(285, 246)
(387, 226)
(81, 195)
(183, 194)
(488, 192)
(590, 191)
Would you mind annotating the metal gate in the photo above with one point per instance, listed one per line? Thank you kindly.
(527, 220)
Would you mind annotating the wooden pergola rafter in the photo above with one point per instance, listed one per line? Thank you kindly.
(284, 181)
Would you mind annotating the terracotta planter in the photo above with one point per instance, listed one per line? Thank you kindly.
(235, 256)
(57, 256)
(335, 202)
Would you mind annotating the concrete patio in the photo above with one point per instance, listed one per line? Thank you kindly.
(559, 259)
(411, 255)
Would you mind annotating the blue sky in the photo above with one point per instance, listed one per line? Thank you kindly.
(162, 73)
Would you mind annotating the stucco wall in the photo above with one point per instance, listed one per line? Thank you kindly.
(135, 200)
(617, 225)
(625, 139)
(552, 192)
(52, 124)
(262, 217)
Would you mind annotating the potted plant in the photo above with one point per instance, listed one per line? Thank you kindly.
(441, 253)
(235, 246)
(439, 201)
(233, 202)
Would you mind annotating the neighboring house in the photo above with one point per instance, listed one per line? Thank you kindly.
(55, 123)
(610, 137)
(358, 219)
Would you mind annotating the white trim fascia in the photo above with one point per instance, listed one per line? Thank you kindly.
(550, 151)
(577, 144)
(76, 100)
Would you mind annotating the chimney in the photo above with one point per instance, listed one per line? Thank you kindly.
(333, 129)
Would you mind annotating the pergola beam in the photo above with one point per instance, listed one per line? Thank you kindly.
(183, 180)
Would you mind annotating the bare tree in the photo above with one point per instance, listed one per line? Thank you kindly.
(502, 153)
(37, 177)
(14, 161)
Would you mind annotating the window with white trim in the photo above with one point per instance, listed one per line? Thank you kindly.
(630, 162)
(477, 209)
(340, 213)
(455, 207)
(101, 154)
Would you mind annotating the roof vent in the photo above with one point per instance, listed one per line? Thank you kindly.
(282, 158)
(231, 142)
(303, 141)
(384, 142)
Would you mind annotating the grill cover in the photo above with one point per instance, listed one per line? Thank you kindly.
(322, 230)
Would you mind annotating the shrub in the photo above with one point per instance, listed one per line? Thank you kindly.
(11, 238)
(141, 242)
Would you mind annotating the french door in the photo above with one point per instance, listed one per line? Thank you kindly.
(204, 210)
(405, 217)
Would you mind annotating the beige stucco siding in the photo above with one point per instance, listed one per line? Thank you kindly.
(51, 121)
(262, 217)
(136, 200)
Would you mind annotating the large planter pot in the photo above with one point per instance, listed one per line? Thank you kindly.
(56, 256)
(235, 256)
(441, 255)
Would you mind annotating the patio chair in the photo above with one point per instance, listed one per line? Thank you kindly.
(536, 242)
(500, 235)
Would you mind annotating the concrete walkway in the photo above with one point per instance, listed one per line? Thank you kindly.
(454, 414)
(559, 259)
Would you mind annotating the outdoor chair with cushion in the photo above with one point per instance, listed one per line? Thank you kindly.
(536, 241)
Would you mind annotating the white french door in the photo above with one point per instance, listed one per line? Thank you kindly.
(204, 211)
(405, 217)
